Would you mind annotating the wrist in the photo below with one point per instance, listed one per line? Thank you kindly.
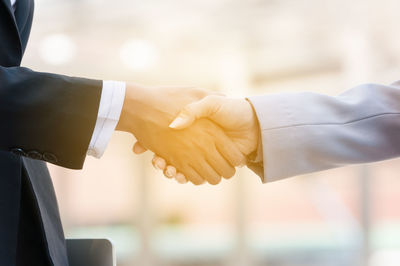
(143, 106)
(254, 129)
(133, 96)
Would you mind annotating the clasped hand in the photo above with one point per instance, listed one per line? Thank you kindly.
(196, 135)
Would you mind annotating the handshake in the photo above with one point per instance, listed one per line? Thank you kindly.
(196, 135)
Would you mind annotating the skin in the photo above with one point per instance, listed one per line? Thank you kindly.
(202, 152)
(235, 116)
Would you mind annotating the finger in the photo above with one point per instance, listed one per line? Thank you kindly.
(170, 171)
(207, 172)
(138, 148)
(230, 151)
(158, 162)
(219, 163)
(180, 178)
(192, 176)
(203, 108)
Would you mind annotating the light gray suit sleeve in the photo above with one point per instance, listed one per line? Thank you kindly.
(308, 132)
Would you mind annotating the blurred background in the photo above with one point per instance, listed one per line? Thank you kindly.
(347, 216)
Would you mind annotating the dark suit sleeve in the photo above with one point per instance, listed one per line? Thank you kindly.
(46, 116)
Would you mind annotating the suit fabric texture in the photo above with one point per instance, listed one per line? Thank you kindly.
(307, 132)
(43, 117)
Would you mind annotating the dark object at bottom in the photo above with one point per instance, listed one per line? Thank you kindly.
(90, 252)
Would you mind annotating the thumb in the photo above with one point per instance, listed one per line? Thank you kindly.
(203, 108)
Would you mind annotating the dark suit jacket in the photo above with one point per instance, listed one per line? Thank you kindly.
(43, 117)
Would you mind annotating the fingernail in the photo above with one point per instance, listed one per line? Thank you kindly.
(157, 165)
(181, 179)
(179, 121)
(168, 173)
(161, 164)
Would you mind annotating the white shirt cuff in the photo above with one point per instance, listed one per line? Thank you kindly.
(111, 102)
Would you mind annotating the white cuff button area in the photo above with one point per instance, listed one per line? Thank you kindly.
(111, 103)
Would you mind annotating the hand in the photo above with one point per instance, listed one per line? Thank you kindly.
(235, 116)
(200, 152)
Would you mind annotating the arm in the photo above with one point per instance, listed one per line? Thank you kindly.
(52, 117)
(47, 114)
(308, 132)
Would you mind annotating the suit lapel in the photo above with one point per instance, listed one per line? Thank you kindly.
(22, 13)
(7, 3)
(10, 11)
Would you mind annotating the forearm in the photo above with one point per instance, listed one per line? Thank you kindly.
(307, 132)
(50, 113)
